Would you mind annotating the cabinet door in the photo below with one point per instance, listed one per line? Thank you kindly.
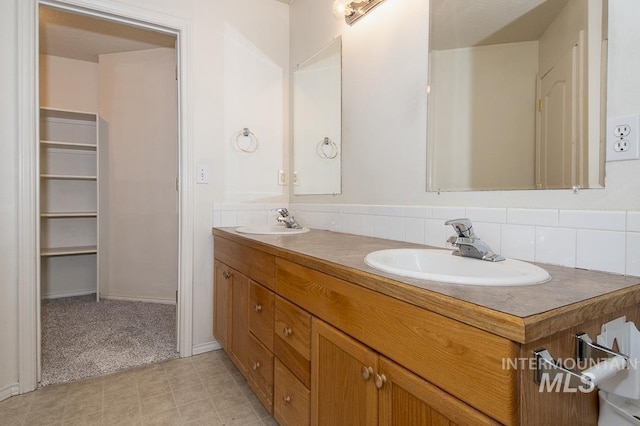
(239, 327)
(406, 399)
(342, 388)
(221, 303)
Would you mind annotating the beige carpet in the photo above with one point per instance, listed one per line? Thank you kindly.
(84, 338)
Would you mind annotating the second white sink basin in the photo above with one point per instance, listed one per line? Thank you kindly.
(441, 265)
(270, 230)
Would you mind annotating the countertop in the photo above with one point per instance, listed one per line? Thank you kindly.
(520, 313)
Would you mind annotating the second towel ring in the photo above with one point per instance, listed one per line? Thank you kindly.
(253, 141)
(327, 149)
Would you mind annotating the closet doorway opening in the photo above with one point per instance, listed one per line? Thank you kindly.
(109, 202)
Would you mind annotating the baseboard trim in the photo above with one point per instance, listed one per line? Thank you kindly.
(205, 347)
(139, 299)
(9, 391)
(70, 294)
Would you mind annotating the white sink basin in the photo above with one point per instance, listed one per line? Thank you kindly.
(441, 265)
(270, 230)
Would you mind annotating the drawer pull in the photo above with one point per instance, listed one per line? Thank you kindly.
(287, 331)
(380, 380)
(258, 308)
(256, 365)
(226, 275)
(366, 372)
(286, 399)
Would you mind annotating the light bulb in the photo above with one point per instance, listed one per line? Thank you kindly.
(340, 8)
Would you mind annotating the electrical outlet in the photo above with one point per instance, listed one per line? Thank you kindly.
(282, 178)
(623, 142)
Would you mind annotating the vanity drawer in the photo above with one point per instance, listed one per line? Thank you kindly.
(261, 313)
(291, 405)
(257, 265)
(293, 338)
(260, 365)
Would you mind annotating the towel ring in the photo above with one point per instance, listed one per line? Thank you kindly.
(253, 141)
(327, 149)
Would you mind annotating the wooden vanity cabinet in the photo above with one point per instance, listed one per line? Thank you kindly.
(231, 299)
(352, 384)
(221, 303)
(244, 313)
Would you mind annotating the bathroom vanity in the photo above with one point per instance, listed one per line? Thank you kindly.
(322, 338)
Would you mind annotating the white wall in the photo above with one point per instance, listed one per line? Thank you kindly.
(499, 140)
(8, 202)
(68, 84)
(384, 133)
(262, 23)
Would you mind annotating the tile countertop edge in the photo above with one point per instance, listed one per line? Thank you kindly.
(504, 321)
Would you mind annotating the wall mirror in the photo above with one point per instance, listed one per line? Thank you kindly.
(516, 94)
(317, 122)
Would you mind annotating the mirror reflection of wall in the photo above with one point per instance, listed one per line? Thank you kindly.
(317, 122)
(515, 94)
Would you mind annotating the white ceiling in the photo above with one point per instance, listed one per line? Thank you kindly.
(84, 38)
(464, 23)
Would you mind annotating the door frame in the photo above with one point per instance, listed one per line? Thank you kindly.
(28, 169)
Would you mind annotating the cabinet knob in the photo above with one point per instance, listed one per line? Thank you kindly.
(366, 372)
(380, 380)
(256, 365)
(287, 331)
(226, 275)
(258, 308)
(286, 399)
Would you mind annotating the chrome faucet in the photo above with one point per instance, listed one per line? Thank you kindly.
(289, 221)
(468, 244)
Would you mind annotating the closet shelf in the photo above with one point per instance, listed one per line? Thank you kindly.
(68, 251)
(46, 112)
(68, 214)
(68, 177)
(69, 145)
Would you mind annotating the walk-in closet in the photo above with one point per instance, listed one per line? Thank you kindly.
(108, 195)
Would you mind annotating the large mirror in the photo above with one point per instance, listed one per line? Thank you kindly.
(516, 94)
(317, 122)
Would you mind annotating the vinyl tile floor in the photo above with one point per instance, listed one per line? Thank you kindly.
(205, 389)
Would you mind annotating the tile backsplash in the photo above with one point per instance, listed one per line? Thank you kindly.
(590, 239)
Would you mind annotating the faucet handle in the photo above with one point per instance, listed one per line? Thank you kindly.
(282, 212)
(463, 227)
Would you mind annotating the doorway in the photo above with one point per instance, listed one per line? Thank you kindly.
(135, 215)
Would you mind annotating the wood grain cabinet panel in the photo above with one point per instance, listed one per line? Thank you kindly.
(238, 334)
(221, 303)
(462, 360)
(293, 338)
(255, 264)
(261, 313)
(260, 363)
(406, 399)
(291, 403)
(342, 383)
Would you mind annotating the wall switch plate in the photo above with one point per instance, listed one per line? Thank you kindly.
(202, 174)
(282, 178)
(623, 142)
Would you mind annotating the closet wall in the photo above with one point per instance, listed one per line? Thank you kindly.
(131, 100)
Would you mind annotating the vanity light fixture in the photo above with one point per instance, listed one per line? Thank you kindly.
(352, 10)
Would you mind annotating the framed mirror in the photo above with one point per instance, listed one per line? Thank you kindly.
(317, 122)
(516, 94)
